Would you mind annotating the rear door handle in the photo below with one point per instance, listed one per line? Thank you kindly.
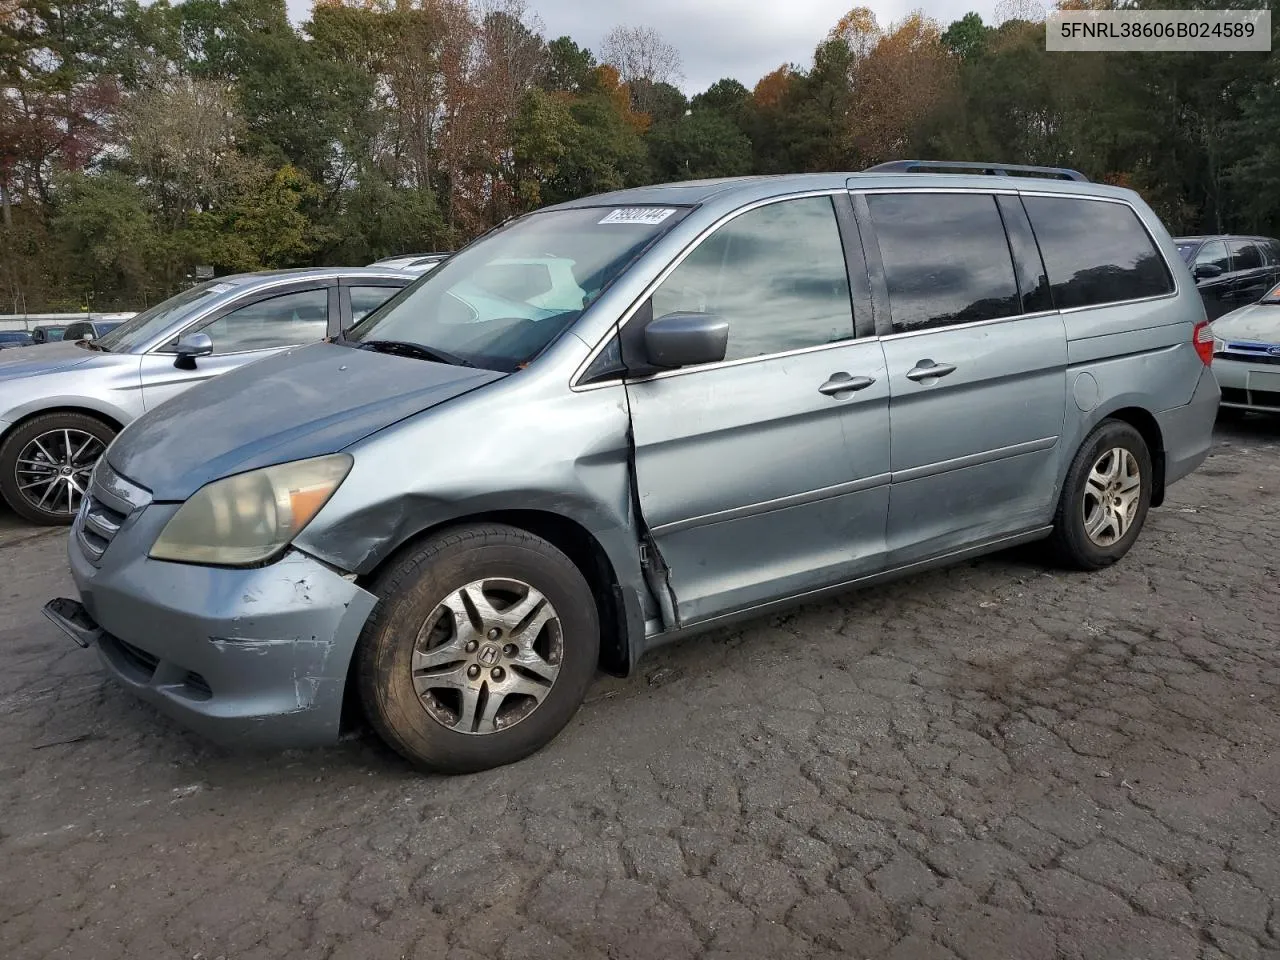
(928, 370)
(845, 383)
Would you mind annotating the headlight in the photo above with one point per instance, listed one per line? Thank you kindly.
(1218, 345)
(249, 518)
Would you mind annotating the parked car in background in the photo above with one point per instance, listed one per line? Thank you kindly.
(421, 262)
(60, 406)
(89, 329)
(15, 338)
(1231, 271)
(47, 333)
(621, 420)
(1246, 350)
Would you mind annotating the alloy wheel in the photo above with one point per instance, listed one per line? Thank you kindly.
(53, 469)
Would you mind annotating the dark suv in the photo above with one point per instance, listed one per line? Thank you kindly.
(1231, 271)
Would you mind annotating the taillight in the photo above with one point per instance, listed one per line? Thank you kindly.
(1202, 338)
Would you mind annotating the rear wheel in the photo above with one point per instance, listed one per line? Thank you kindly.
(1105, 498)
(480, 650)
(45, 465)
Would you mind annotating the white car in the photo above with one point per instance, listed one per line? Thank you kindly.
(1246, 354)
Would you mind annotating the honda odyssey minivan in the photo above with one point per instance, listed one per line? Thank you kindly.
(709, 400)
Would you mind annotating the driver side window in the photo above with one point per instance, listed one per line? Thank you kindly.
(288, 320)
(1214, 253)
(776, 274)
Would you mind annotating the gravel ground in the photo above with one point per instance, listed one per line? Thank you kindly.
(995, 761)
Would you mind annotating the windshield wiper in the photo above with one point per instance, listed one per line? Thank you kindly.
(415, 351)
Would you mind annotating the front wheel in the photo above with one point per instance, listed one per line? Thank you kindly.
(1105, 498)
(46, 462)
(480, 650)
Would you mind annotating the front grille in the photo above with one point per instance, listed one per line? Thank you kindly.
(1240, 356)
(1235, 395)
(97, 526)
(110, 501)
(1251, 398)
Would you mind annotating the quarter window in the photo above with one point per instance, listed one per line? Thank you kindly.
(1245, 255)
(776, 274)
(284, 321)
(1096, 252)
(946, 259)
(365, 300)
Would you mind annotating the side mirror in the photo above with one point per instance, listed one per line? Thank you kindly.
(191, 346)
(88, 335)
(686, 339)
(1207, 271)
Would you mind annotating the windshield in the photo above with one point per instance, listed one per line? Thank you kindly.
(139, 329)
(1187, 251)
(500, 302)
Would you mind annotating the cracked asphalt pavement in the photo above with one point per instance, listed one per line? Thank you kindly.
(993, 761)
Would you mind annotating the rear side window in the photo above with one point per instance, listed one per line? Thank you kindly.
(946, 259)
(1271, 252)
(1096, 252)
(1245, 255)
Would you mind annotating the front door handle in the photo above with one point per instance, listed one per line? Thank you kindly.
(845, 383)
(928, 370)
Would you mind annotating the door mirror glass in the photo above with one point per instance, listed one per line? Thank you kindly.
(1207, 271)
(190, 346)
(686, 339)
(88, 335)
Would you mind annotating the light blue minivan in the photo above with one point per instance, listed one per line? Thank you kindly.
(625, 419)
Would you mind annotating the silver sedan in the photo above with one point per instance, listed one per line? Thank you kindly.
(1246, 355)
(62, 403)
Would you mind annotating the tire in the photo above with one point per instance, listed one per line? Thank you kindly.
(46, 438)
(432, 726)
(1071, 544)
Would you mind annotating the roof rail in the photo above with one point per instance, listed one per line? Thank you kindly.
(990, 169)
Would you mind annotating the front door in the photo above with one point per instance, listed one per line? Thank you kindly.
(1216, 290)
(766, 475)
(241, 333)
(1250, 277)
(977, 378)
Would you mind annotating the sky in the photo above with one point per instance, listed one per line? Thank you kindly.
(744, 39)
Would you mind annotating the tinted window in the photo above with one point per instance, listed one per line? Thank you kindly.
(1096, 252)
(1271, 251)
(284, 321)
(1186, 251)
(776, 274)
(946, 259)
(1214, 253)
(365, 300)
(77, 331)
(1245, 255)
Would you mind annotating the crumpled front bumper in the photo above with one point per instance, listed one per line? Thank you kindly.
(250, 658)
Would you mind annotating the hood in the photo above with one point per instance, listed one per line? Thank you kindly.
(31, 361)
(307, 402)
(1256, 323)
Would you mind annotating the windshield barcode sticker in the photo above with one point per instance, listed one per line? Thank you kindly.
(647, 216)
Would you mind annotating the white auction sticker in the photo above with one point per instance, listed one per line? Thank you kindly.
(647, 216)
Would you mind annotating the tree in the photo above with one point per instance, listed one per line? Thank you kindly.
(568, 65)
(644, 59)
(965, 37)
(704, 144)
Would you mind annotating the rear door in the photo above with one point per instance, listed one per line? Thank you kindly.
(760, 477)
(977, 368)
(249, 328)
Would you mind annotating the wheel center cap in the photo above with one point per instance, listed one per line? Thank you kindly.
(66, 471)
(490, 654)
